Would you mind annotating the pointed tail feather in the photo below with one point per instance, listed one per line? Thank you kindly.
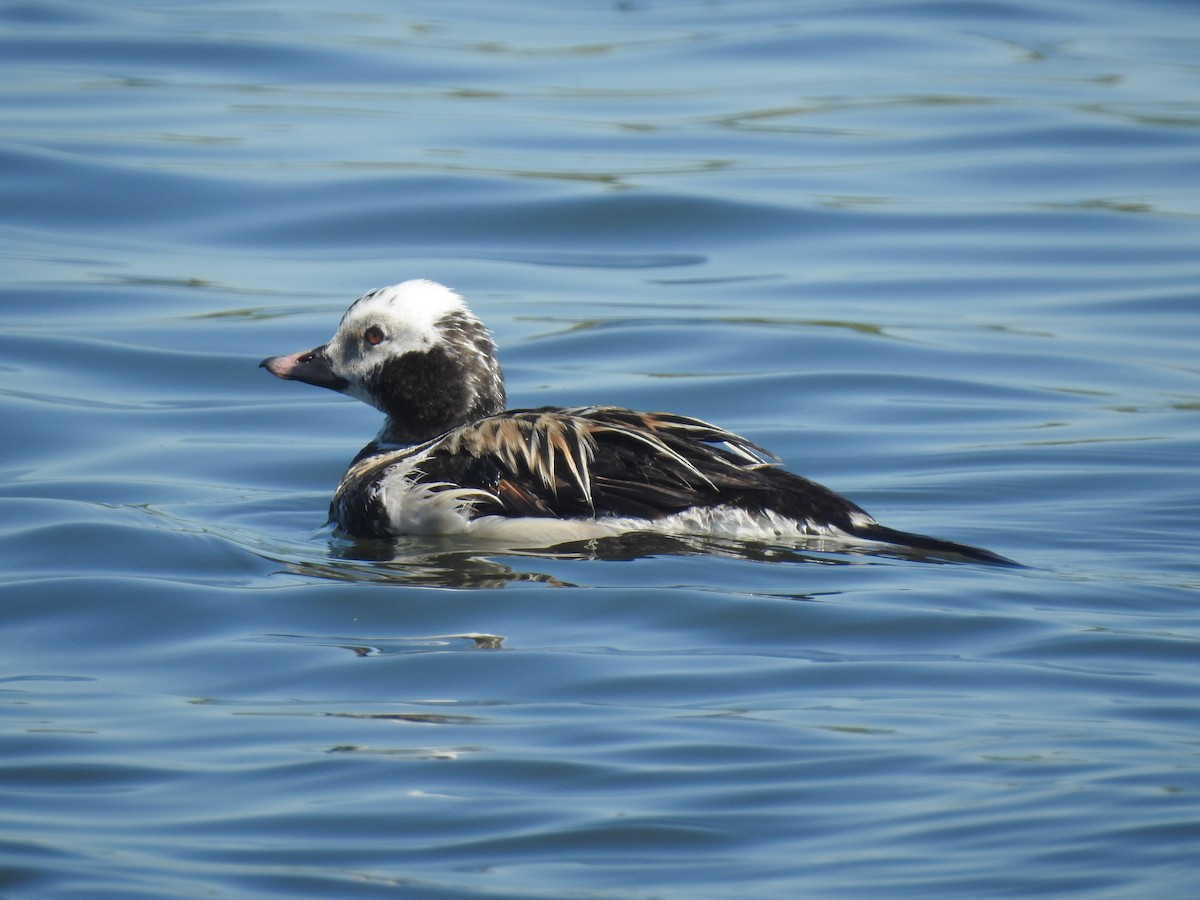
(877, 532)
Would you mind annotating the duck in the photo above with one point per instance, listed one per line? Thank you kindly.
(451, 458)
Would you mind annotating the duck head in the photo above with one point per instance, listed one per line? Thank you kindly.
(414, 351)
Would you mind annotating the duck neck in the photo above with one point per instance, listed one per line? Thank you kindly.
(424, 398)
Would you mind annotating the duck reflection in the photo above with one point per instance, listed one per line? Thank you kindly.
(465, 563)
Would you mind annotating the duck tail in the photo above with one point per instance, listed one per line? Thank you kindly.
(925, 544)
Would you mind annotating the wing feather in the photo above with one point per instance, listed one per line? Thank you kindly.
(591, 461)
(581, 463)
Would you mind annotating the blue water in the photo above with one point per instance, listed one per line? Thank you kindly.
(942, 257)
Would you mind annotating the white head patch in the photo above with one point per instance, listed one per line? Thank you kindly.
(390, 322)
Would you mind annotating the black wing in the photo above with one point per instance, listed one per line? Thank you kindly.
(607, 461)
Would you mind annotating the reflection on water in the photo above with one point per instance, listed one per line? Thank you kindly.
(409, 561)
(377, 647)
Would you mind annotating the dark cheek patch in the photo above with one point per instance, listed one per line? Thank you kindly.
(421, 390)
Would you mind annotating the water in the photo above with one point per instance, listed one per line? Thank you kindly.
(939, 256)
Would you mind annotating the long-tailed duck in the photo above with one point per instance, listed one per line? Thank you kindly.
(451, 459)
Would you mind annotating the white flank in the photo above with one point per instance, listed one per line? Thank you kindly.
(719, 522)
(425, 508)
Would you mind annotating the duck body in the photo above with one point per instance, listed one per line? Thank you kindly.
(451, 459)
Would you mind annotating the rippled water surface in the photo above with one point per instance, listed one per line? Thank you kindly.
(943, 257)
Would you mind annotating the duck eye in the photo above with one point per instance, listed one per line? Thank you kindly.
(373, 335)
